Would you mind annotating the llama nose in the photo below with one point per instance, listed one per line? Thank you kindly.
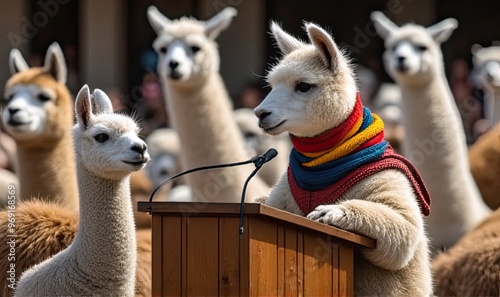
(263, 114)
(173, 64)
(401, 59)
(139, 147)
(13, 110)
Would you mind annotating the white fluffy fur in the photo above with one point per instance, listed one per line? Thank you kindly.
(199, 106)
(434, 137)
(382, 206)
(102, 258)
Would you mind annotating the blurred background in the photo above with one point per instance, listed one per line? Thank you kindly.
(107, 43)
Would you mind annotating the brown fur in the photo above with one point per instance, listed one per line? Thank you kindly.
(484, 158)
(472, 266)
(44, 229)
(140, 188)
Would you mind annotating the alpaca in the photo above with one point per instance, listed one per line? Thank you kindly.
(199, 107)
(484, 155)
(472, 266)
(434, 137)
(257, 143)
(164, 149)
(314, 98)
(39, 116)
(387, 104)
(101, 260)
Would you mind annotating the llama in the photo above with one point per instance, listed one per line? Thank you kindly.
(472, 266)
(257, 143)
(434, 137)
(387, 104)
(199, 107)
(314, 98)
(484, 155)
(101, 260)
(39, 116)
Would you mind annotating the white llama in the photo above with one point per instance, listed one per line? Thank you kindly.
(102, 258)
(39, 116)
(434, 137)
(314, 98)
(257, 143)
(199, 107)
(487, 68)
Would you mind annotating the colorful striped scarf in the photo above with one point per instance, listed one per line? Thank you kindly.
(319, 165)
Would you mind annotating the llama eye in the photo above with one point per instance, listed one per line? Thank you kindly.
(421, 48)
(303, 87)
(195, 49)
(101, 138)
(10, 97)
(43, 97)
(163, 49)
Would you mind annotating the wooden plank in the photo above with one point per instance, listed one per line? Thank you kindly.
(172, 256)
(281, 261)
(184, 276)
(229, 283)
(335, 268)
(263, 257)
(244, 255)
(202, 256)
(300, 262)
(191, 208)
(346, 277)
(156, 254)
(291, 273)
(317, 265)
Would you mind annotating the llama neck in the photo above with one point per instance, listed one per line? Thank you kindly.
(49, 172)
(435, 143)
(105, 241)
(208, 133)
(492, 102)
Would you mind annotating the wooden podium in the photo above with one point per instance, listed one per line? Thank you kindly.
(197, 251)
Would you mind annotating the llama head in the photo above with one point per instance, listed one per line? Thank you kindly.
(413, 55)
(39, 107)
(486, 62)
(186, 47)
(164, 149)
(313, 86)
(107, 144)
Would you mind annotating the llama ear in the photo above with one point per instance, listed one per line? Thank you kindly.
(83, 107)
(219, 22)
(383, 25)
(55, 64)
(157, 20)
(286, 42)
(17, 62)
(441, 31)
(324, 44)
(475, 48)
(101, 102)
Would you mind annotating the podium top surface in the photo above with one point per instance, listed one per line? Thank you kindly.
(231, 209)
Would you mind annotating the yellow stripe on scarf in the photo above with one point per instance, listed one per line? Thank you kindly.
(349, 134)
(351, 144)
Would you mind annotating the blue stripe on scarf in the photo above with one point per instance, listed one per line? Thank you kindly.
(319, 177)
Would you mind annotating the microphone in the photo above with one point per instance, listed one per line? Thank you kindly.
(257, 160)
(266, 157)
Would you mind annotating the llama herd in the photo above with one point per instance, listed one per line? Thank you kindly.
(77, 233)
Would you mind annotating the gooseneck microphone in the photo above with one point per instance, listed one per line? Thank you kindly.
(258, 161)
